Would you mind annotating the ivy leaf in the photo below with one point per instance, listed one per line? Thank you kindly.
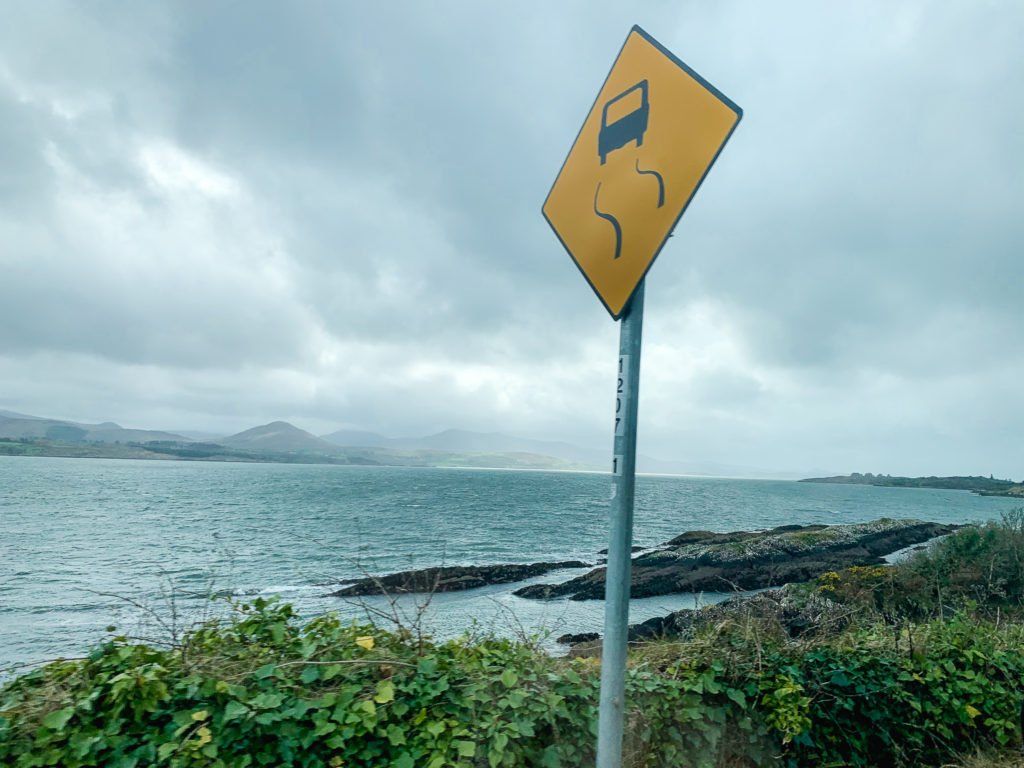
(365, 641)
(324, 728)
(737, 697)
(839, 678)
(972, 712)
(277, 632)
(235, 709)
(405, 761)
(332, 671)
(166, 749)
(266, 701)
(396, 735)
(385, 692)
(509, 678)
(436, 728)
(58, 719)
(465, 748)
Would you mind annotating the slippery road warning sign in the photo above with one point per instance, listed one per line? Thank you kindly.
(644, 149)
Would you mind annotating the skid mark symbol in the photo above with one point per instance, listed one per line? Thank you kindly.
(661, 182)
(614, 222)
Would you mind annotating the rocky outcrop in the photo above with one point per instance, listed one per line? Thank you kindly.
(451, 578)
(703, 561)
(575, 638)
(793, 610)
(796, 611)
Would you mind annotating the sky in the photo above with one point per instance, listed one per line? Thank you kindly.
(214, 215)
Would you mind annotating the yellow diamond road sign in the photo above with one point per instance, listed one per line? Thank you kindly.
(649, 140)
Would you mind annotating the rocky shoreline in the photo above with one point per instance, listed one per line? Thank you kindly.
(452, 578)
(696, 561)
(791, 608)
(703, 561)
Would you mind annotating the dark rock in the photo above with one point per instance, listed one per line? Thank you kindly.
(703, 561)
(588, 649)
(540, 591)
(791, 610)
(795, 612)
(451, 578)
(634, 548)
(709, 537)
(579, 637)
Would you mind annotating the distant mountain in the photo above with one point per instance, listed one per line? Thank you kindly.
(201, 436)
(465, 441)
(20, 425)
(13, 415)
(354, 438)
(451, 447)
(279, 441)
(121, 435)
(26, 427)
(277, 436)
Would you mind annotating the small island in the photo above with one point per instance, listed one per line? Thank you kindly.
(983, 486)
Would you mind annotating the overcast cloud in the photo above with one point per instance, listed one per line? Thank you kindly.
(217, 214)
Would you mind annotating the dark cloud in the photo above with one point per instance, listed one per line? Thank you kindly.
(223, 213)
(886, 170)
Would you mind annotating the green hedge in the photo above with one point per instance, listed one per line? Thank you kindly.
(955, 686)
(266, 690)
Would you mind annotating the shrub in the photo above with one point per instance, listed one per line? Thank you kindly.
(262, 689)
(979, 569)
(957, 685)
(983, 565)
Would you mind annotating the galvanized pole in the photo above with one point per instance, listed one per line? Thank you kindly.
(617, 578)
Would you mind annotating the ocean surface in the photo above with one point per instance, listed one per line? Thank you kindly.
(87, 543)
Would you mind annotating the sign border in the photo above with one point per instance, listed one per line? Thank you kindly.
(714, 91)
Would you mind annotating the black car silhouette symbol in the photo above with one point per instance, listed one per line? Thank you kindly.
(629, 127)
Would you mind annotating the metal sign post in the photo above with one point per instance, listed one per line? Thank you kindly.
(646, 145)
(617, 577)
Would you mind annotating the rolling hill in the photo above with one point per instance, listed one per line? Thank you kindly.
(20, 425)
(278, 436)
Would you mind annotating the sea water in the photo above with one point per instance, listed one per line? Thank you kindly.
(142, 545)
